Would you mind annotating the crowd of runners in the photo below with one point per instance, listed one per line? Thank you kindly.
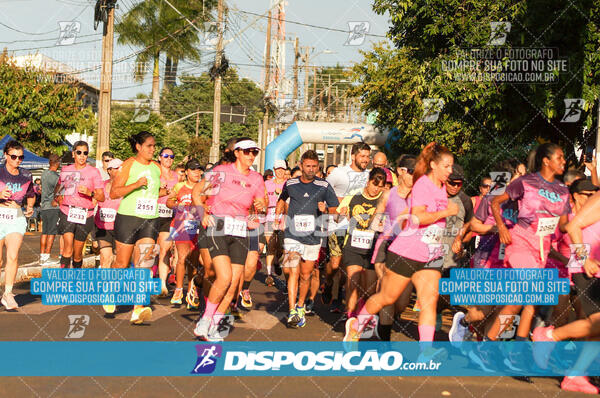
(371, 238)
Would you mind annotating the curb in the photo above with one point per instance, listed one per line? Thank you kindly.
(34, 270)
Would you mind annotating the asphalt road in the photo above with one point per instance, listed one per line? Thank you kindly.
(266, 322)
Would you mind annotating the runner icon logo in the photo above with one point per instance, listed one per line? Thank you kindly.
(68, 32)
(431, 109)
(207, 358)
(573, 109)
(508, 326)
(357, 33)
(77, 325)
(499, 32)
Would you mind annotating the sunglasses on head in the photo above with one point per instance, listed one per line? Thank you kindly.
(409, 171)
(586, 193)
(250, 151)
(81, 152)
(167, 156)
(457, 183)
(15, 157)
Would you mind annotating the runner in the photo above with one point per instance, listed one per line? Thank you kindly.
(274, 188)
(357, 251)
(78, 184)
(409, 256)
(583, 229)
(484, 189)
(184, 232)
(136, 226)
(105, 222)
(16, 187)
(309, 197)
(345, 180)
(168, 179)
(49, 211)
(543, 206)
(392, 207)
(233, 189)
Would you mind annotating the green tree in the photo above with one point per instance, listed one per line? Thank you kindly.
(195, 93)
(35, 110)
(479, 116)
(156, 27)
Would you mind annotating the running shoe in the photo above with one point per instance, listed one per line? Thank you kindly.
(352, 330)
(578, 384)
(214, 334)
(235, 312)
(141, 314)
(309, 305)
(326, 294)
(171, 279)
(269, 281)
(301, 315)
(177, 296)
(432, 354)
(543, 345)
(293, 319)
(484, 356)
(457, 332)
(192, 299)
(336, 306)
(201, 329)
(246, 299)
(109, 308)
(8, 301)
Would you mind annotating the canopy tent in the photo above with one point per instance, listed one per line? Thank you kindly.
(32, 161)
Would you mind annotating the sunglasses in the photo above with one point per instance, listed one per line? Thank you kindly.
(455, 183)
(81, 152)
(167, 156)
(250, 151)
(409, 171)
(106, 160)
(485, 186)
(586, 193)
(15, 157)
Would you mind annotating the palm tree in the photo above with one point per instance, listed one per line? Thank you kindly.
(155, 26)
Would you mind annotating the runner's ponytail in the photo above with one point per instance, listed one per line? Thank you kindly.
(432, 152)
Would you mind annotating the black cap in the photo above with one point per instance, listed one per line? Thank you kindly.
(457, 172)
(407, 161)
(193, 164)
(582, 185)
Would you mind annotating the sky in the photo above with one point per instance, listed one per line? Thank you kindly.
(30, 26)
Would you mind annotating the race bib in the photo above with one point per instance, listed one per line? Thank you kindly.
(432, 234)
(8, 215)
(191, 226)
(547, 226)
(164, 211)
(107, 215)
(235, 227)
(146, 207)
(77, 215)
(362, 239)
(304, 223)
(477, 240)
(501, 251)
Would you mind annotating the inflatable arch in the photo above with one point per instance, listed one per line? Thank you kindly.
(321, 133)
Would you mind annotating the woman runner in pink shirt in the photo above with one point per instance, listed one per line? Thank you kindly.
(412, 251)
(78, 184)
(227, 192)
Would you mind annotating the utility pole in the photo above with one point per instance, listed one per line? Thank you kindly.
(197, 119)
(306, 78)
(216, 138)
(315, 89)
(265, 123)
(106, 83)
(296, 56)
(328, 95)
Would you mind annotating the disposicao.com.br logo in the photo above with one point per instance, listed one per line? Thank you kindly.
(304, 362)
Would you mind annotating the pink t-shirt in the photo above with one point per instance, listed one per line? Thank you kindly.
(273, 192)
(71, 178)
(107, 210)
(591, 236)
(169, 181)
(232, 193)
(413, 242)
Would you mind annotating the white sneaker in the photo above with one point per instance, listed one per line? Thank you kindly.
(201, 329)
(8, 301)
(141, 314)
(457, 332)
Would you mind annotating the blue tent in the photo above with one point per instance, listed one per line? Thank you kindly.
(32, 161)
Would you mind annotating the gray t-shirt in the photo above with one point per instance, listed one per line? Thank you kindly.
(453, 227)
(346, 181)
(49, 181)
